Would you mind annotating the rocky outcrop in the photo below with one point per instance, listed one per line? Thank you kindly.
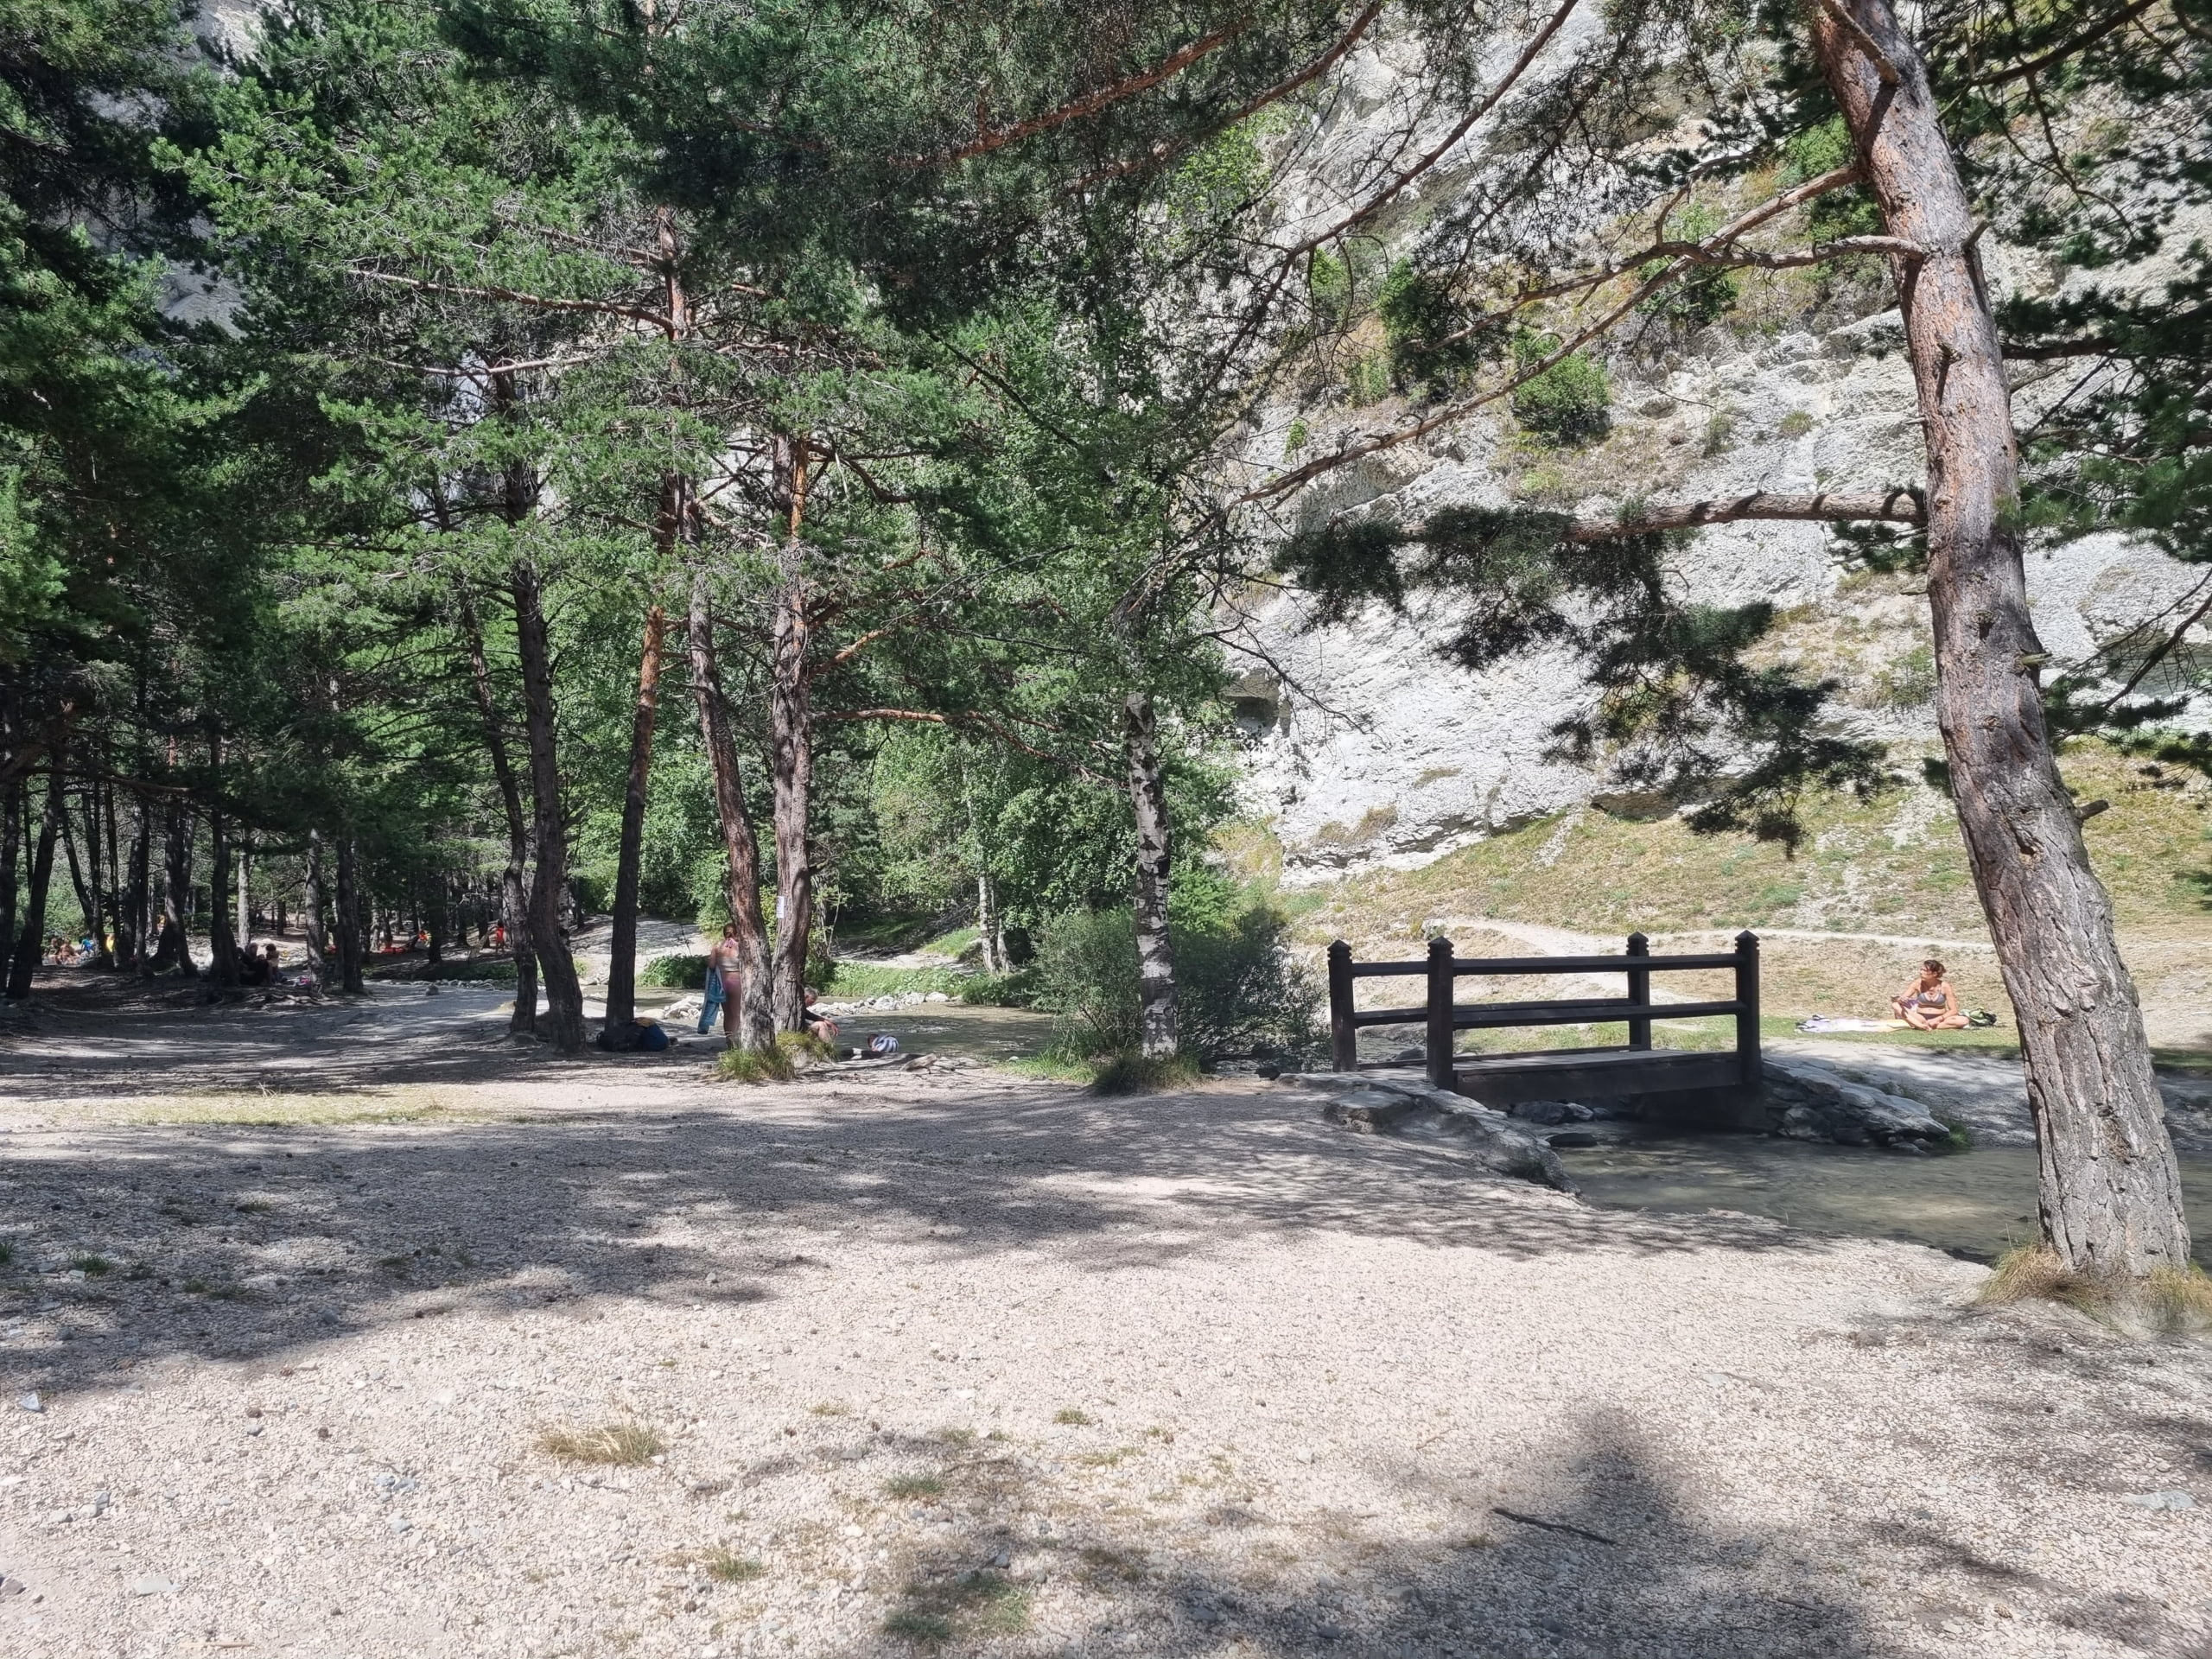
(1370, 1102)
(1807, 1101)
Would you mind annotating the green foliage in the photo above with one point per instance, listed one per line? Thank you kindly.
(685, 972)
(1813, 151)
(1237, 987)
(1702, 297)
(1566, 403)
(1432, 347)
(850, 980)
(1367, 378)
(753, 1066)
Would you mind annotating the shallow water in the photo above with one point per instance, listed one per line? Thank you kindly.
(1976, 1204)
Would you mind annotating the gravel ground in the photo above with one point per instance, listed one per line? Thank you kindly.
(988, 1365)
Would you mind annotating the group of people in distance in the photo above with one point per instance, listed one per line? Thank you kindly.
(724, 973)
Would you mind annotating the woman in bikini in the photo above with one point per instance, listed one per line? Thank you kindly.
(1929, 1004)
(729, 963)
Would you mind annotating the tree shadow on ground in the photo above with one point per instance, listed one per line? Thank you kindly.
(1597, 1555)
(242, 1240)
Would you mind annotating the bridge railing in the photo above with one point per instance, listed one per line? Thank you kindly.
(1442, 1016)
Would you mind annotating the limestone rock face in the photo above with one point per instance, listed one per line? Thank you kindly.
(1368, 748)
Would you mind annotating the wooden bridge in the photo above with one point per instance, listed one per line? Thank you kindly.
(1556, 1074)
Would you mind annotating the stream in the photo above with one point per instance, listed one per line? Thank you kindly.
(1976, 1204)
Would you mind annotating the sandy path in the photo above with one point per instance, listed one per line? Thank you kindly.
(1037, 1374)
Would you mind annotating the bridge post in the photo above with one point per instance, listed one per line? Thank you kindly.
(1751, 1070)
(1344, 1035)
(1439, 1046)
(1639, 991)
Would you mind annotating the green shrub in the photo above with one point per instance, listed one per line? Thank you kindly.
(685, 972)
(1701, 296)
(1368, 380)
(1132, 1074)
(1419, 318)
(1795, 424)
(1015, 990)
(1569, 402)
(853, 982)
(1236, 984)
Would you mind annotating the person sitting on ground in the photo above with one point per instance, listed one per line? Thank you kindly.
(1928, 1003)
(825, 1028)
(276, 969)
(253, 967)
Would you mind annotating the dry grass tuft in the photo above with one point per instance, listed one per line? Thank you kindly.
(2170, 1301)
(724, 1567)
(624, 1444)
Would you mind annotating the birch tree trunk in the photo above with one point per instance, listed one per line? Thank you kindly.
(750, 1017)
(2110, 1192)
(988, 933)
(24, 968)
(564, 996)
(622, 968)
(514, 911)
(791, 739)
(1155, 951)
(311, 909)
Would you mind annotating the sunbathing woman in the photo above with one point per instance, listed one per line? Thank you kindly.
(1929, 1004)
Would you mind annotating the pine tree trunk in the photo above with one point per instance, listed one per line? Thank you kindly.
(176, 946)
(87, 904)
(622, 967)
(11, 829)
(350, 941)
(140, 877)
(22, 970)
(2110, 1191)
(750, 1017)
(514, 910)
(311, 909)
(564, 996)
(790, 743)
(1155, 951)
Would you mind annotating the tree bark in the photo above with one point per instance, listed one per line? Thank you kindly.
(2110, 1191)
(990, 933)
(24, 968)
(223, 970)
(622, 967)
(11, 829)
(1155, 951)
(564, 996)
(311, 909)
(88, 912)
(175, 945)
(750, 1017)
(140, 878)
(514, 911)
(244, 930)
(791, 742)
(350, 942)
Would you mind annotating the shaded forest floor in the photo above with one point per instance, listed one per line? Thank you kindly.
(975, 1364)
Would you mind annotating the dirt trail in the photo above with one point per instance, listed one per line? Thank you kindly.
(992, 1363)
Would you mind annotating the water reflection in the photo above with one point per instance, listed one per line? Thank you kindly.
(1975, 1204)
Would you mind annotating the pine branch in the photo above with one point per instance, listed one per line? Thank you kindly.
(1897, 505)
(2044, 60)
(1089, 104)
(515, 296)
(1283, 89)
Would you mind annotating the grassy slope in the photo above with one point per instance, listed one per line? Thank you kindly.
(1893, 866)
